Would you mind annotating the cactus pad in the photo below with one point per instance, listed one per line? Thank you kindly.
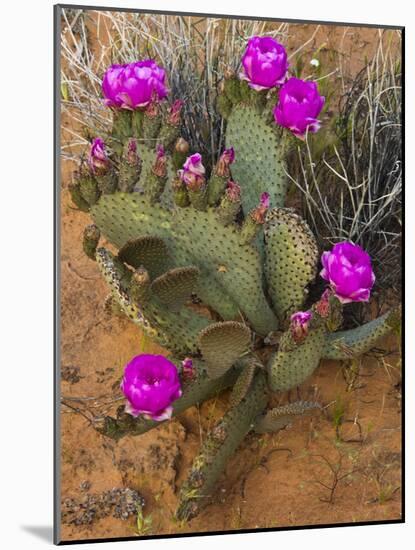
(149, 252)
(242, 385)
(222, 344)
(174, 287)
(291, 365)
(291, 260)
(258, 165)
(350, 343)
(278, 418)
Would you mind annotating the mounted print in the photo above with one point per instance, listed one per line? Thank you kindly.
(228, 240)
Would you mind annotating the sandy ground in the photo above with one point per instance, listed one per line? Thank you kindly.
(312, 473)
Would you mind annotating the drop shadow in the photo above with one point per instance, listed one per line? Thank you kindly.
(43, 532)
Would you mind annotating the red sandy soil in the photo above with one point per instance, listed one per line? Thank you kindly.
(279, 480)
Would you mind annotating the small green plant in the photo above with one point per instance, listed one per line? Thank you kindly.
(386, 492)
(338, 412)
(144, 524)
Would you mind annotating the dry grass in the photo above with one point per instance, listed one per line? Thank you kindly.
(352, 187)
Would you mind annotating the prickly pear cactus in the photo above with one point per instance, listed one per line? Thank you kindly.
(213, 267)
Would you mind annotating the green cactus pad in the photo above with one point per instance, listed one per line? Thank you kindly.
(258, 165)
(350, 343)
(278, 418)
(228, 267)
(291, 260)
(176, 330)
(242, 385)
(220, 444)
(292, 364)
(213, 295)
(174, 287)
(196, 391)
(222, 344)
(223, 259)
(180, 328)
(149, 251)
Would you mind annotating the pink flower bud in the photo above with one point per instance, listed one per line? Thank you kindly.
(188, 368)
(225, 160)
(98, 159)
(233, 191)
(322, 307)
(132, 155)
(299, 323)
(258, 214)
(160, 165)
(193, 172)
(173, 117)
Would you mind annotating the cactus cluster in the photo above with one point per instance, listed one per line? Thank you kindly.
(214, 268)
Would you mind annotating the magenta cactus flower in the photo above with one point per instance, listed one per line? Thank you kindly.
(264, 63)
(134, 85)
(193, 172)
(348, 269)
(98, 159)
(299, 323)
(151, 384)
(299, 106)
